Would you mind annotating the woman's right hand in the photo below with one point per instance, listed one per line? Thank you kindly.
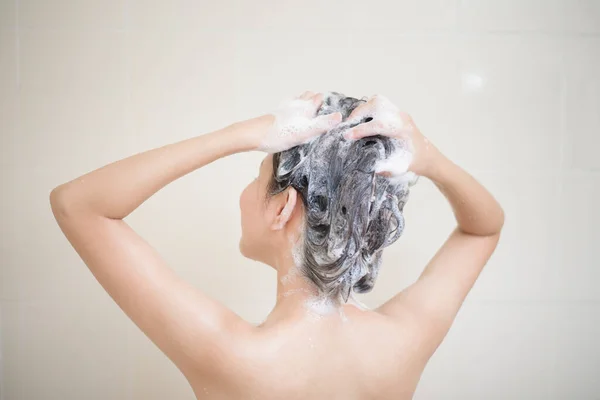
(388, 120)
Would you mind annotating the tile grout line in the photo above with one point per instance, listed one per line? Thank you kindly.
(17, 99)
(562, 162)
(17, 45)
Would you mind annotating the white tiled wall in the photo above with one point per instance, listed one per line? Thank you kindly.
(509, 89)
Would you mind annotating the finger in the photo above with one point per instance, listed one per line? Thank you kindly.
(325, 122)
(371, 128)
(374, 103)
(363, 110)
(322, 124)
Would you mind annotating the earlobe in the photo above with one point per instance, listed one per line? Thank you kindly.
(286, 211)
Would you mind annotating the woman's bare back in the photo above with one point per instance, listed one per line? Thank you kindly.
(357, 354)
(373, 354)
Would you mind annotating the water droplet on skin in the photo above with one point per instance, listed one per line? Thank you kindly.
(343, 315)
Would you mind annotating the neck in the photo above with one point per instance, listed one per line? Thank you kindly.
(297, 296)
(294, 290)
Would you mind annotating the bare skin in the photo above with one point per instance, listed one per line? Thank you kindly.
(297, 352)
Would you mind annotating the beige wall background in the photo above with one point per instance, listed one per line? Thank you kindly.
(510, 90)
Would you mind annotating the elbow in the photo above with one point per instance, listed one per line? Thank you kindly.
(58, 202)
(496, 227)
(488, 224)
(55, 194)
(496, 223)
(500, 223)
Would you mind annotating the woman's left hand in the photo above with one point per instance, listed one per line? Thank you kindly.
(387, 120)
(295, 122)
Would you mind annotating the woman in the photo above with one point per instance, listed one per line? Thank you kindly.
(327, 200)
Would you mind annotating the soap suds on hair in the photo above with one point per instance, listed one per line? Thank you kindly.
(352, 210)
(396, 166)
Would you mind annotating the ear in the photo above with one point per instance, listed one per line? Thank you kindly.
(285, 209)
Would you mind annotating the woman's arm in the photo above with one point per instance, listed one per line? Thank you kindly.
(183, 322)
(434, 299)
(437, 295)
(115, 190)
(476, 211)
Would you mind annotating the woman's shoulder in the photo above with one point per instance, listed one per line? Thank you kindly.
(314, 337)
(285, 357)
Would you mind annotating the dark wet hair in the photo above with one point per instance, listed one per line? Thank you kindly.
(351, 213)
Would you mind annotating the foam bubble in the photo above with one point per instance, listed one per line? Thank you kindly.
(290, 276)
(388, 121)
(386, 115)
(292, 118)
(396, 164)
(321, 305)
